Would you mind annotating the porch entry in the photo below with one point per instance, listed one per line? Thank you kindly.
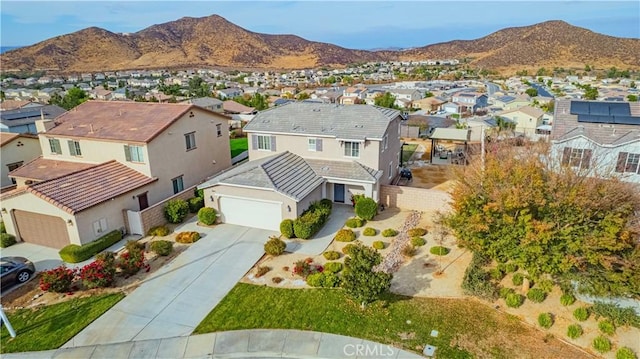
(338, 192)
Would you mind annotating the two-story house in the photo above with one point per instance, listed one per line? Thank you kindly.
(353, 95)
(526, 118)
(103, 163)
(16, 150)
(599, 138)
(303, 152)
(470, 101)
(23, 120)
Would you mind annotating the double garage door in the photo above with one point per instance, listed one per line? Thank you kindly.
(251, 213)
(41, 229)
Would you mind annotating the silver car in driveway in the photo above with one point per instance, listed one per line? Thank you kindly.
(15, 270)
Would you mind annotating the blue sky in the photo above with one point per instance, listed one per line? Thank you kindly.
(351, 24)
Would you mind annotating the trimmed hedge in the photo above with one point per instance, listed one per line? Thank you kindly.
(416, 232)
(324, 279)
(2, 228)
(159, 231)
(333, 267)
(286, 228)
(7, 240)
(162, 247)
(354, 222)
(378, 245)
(369, 232)
(176, 210)
(418, 241)
(439, 250)
(275, 246)
(331, 255)
(389, 232)
(187, 237)
(195, 204)
(207, 216)
(366, 208)
(345, 235)
(74, 253)
(311, 220)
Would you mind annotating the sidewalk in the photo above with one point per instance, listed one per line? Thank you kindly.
(318, 243)
(260, 343)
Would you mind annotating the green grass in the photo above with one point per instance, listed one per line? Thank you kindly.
(51, 326)
(238, 145)
(407, 151)
(329, 310)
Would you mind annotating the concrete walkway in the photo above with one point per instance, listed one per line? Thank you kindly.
(175, 299)
(318, 243)
(261, 343)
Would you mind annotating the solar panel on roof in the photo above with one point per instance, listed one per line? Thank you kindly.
(595, 119)
(599, 108)
(627, 120)
(19, 115)
(579, 108)
(620, 109)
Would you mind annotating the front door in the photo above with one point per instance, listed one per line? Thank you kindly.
(143, 201)
(338, 192)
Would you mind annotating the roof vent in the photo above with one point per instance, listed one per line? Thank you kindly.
(359, 126)
(316, 110)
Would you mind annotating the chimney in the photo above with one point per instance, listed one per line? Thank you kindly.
(44, 125)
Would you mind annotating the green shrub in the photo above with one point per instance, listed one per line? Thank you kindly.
(274, 246)
(439, 250)
(366, 208)
(333, 267)
(207, 216)
(7, 240)
(567, 299)
(517, 279)
(176, 210)
(476, 280)
(369, 232)
(574, 331)
(195, 204)
(354, 222)
(159, 231)
(345, 235)
(74, 253)
(326, 203)
(378, 245)
(347, 249)
(2, 228)
(409, 250)
(132, 246)
(606, 327)
(58, 280)
(286, 228)
(418, 241)
(625, 353)
(187, 237)
(536, 295)
(311, 220)
(545, 285)
(416, 232)
(618, 315)
(602, 344)
(331, 255)
(198, 192)
(545, 320)
(514, 300)
(505, 291)
(162, 247)
(496, 274)
(323, 279)
(389, 232)
(511, 267)
(581, 314)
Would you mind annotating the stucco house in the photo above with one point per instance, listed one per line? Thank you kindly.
(23, 120)
(16, 150)
(470, 101)
(599, 138)
(303, 152)
(526, 118)
(103, 163)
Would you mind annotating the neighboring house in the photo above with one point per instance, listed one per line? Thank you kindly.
(509, 102)
(601, 138)
(17, 149)
(209, 103)
(14, 105)
(100, 94)
(23, 120)
(353, 95)
(527, 119)
(429, 104)
(104, 162)
(303, 152)
(233, 108)
(470, 101)
(408, 95)
(229, 93)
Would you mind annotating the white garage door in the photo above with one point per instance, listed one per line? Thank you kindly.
(251, 213)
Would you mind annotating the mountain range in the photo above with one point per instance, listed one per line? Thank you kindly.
(213, 41)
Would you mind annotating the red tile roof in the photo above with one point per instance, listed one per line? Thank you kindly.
(6, 137)
(41, 169)
(90, 187)
(119, 120)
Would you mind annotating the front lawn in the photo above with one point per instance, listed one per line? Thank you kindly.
(466, 329)
(407, 151)
(51, 326)
(238, 145)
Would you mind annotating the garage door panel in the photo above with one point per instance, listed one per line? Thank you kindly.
(41, 229)
(251, 213)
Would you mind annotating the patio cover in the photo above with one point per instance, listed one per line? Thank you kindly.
(452, 134)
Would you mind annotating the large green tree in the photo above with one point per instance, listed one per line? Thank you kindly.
(359, 279)
(529, 209)
(199, 88)
(386, 100)
(71, 99)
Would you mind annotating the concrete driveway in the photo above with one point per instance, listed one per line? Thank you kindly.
(175, 299)
(44, 258)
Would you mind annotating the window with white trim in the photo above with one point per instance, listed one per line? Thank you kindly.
(264, 142)
(54, 145)
(74, 148)
(628, 163)
(311, 144)
(577, 157)
(178, 185)
(134, 153)
(352, 149)
(190, 140)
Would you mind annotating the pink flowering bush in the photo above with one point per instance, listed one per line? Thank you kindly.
(57, 280)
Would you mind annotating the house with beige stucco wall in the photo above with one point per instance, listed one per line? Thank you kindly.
(303, 152)
(104, 162)
(16, 150)
(526, 118)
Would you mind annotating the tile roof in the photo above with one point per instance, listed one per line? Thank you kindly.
(527, 110)
(40, 169)
(232, 106)
(29, 115)
(90, 187)
(13, 104)
(6, 137)
(345, 122)
(285, 173)
(350, 170)
(118, 120)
